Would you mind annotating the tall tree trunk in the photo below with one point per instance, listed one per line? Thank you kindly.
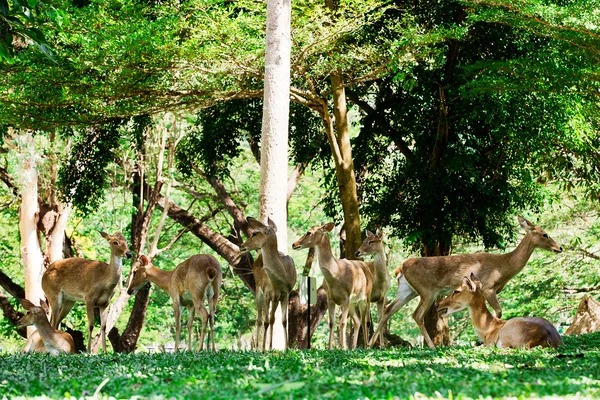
(272, 199)
(31, 251)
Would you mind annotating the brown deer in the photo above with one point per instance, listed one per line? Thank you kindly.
(275, 277)
(189, 284)
(373, 244)
(519, 332)
(45, 339)
(93, 282)
(348, 283)
(428, 277)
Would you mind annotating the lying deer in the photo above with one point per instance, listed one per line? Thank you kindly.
(348, 283)
(189, 284)
(428, 277)
(373, 244)
(93, 282)
(275, 277)
(517, 332)
(45, 339)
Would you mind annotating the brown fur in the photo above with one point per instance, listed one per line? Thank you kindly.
(519, 332)
(427, 277)
(196, 277)
(45, 339)
(79, 279)
(373, 244)
(275, 277)
(348, 283)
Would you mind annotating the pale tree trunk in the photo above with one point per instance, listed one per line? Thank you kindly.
(33, 259)
(272, 201)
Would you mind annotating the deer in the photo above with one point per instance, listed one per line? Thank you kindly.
(275, 277)
(427, 277)
(373, 244)
(45, 339)
(70, 280)
(348, 283)
(189, 284)
(518, 332)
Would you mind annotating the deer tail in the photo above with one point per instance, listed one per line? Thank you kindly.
(398, 271)
(211, 273)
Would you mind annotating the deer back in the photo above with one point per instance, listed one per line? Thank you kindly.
(528, 332)
(195, 274)
(77, 277)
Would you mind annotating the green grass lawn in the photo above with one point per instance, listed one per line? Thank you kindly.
(455, 372)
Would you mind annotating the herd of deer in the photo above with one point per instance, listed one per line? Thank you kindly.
(349, 284)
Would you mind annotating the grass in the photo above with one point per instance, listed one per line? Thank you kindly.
(455, 372)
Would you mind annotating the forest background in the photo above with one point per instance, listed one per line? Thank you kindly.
(463, 114)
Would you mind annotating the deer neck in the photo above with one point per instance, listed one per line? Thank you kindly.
(519, 256)
(271, 256)
(380, 263)
(327, 261)
(116, 264)
(482, 319)
(159, 277)
(44, 328)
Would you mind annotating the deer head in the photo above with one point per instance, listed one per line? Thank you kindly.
(313, 236)
(118, 244)
(461, 297)
(371, 244)
(260, 233)
(138, 275)
(33, 312)
(539, 237)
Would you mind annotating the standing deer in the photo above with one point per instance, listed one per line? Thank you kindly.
(348, 283)
(428, 277)
(45, 339)
(519, 332)
(197, 278)
(93, 282)
(373, 244)
(275, 277)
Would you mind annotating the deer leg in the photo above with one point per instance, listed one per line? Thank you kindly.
(331, 310)
(177, 312)
(61, 312)
(419, 317)
(356, 323)
(266, 311)
(204, 315)
(103, 318)
(190, 326)
(380, 310)
(364, 317)
(89, 308)
(345, 306)
(212, 304)
(274, 305)
(404, 294)
(490, 296)
(259, 315)
(284, 315)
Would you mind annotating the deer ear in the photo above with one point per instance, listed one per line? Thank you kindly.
(379, 233)
(369, 233)
(44, 305)
(254, 223)
(469, 284)
(104, 235)
(329, 226)
(28, 305)
(145, 260)
(528, 226)
(272, 224)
